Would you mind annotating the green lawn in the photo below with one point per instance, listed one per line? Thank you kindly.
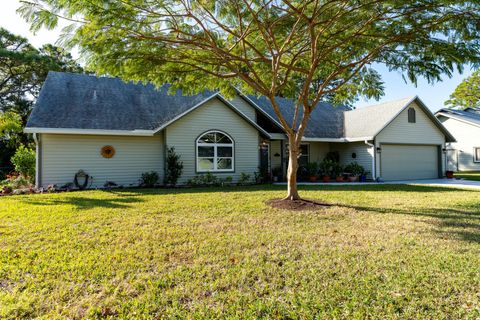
(384, 252)
(468, 175)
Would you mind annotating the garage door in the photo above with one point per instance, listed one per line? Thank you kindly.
(406, 162)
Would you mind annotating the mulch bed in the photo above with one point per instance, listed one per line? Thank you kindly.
(297, 205)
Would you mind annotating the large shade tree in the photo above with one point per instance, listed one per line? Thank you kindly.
(23, 69)
(467, 94)
(307, 50)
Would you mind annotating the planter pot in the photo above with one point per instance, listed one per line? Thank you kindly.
(449, 174)
(353, 178)
(313, 178)
(326, 178)
(339, 179)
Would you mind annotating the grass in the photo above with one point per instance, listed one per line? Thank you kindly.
(384, 252)
(468, 175)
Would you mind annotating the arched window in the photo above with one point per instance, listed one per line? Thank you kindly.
(215, 152)
(411, 115)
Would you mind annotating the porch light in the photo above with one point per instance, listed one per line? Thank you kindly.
(379, 150)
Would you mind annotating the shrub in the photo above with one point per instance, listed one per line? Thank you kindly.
(327, 167)
(20, 182)
(312, 168)
(333, 156)
(337, 169)
(174, 167)
(109, 184)
(24, 162)
(245, 179)
(207, 179)
(355, 169)
(228, 180)
(149, 179)
(277, 172)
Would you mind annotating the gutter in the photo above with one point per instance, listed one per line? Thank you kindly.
(458, 118)
(144, 133)
(38, 164)
(347, 139)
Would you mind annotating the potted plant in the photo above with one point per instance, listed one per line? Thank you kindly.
(312, 169)
(326, 167)
(337, 170)
(449, 174)
(276, 174)
(354, 171)
(363, 176)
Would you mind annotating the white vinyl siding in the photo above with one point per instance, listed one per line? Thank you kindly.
(468, 138)
(362, 152)
(400, 131)
(318, 151)
(214, 115)
(276, 148)
(63, 155)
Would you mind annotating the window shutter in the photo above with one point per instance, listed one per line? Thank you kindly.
(411, 115)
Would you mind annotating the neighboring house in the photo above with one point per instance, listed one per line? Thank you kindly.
(77, 115)
(463, 155)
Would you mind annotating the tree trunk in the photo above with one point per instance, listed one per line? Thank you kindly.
(292, 191)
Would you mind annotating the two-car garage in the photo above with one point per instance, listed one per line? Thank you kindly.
(409, 161)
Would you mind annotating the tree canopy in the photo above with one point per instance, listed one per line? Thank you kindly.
(307, 50)
(467, 94)
(23, 70)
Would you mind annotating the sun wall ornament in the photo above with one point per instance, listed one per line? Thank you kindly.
(107, 152)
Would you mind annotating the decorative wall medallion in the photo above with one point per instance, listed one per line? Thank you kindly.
(107, 152)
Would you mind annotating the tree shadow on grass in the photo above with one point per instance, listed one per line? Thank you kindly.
(269, 187)
(462, 222)
(85, 203)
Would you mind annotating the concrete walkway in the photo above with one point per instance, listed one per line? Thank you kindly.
(451, 183)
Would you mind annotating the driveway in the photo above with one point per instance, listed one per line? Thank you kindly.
(452, 183)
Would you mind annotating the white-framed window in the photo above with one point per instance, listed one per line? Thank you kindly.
(215, 152)
(476, 154)
(304, 157)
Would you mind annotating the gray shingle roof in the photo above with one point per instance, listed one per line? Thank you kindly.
(368, 121)
(326, 121)
(470, 116)
(78, 101)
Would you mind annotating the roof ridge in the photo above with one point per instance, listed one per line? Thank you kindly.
(408, 98)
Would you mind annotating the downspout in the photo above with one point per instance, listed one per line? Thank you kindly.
(373, 158)
(37, 161)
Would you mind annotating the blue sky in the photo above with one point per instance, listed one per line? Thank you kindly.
(433, 96)
(395, 87)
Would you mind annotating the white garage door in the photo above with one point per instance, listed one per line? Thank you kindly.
(406, 162)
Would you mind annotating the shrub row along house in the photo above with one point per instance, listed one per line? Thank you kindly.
(115, 131)
(463, 155)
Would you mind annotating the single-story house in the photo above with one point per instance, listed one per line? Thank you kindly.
(115, 131)
(463, 155)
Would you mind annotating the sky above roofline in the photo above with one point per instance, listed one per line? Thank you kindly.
(395, 87)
